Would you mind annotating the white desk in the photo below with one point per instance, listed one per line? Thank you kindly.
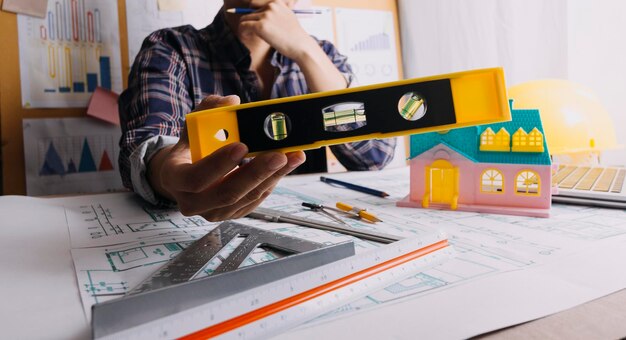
(38, 288)
(40, 298)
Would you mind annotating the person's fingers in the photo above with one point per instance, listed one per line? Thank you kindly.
(228, 190)
(239, 188)
(294, 159)
(239, 183)
(253, 200)
(246, 209)
(233, 212)
(199, 176)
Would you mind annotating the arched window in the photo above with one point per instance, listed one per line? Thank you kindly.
(527, 182)
(492, 181)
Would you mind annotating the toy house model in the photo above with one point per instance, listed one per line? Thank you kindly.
(495, 168)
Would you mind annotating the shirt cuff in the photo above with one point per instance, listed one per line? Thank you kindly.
(138, 167)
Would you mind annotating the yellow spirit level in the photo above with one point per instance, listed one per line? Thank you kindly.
(385, 110)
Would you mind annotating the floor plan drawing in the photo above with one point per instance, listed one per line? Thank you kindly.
(124, 218)
(138, 238)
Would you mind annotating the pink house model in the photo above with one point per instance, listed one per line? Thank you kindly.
(496, 168)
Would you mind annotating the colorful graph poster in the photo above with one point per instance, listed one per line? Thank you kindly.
(198, 13)
(70, 155)
(66, 55)
(367, 37)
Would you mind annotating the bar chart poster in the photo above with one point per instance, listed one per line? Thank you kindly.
(368, 38)
(70, 155)
(66, 55)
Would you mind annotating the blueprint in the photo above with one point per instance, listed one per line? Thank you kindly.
(119, 240)
(120, 218)
(486, 244)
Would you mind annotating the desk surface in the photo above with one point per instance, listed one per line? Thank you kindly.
(40, 292)
(604, 318)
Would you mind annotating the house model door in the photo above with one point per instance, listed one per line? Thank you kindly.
(442, 179)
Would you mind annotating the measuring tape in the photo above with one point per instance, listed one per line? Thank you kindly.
(273, 307)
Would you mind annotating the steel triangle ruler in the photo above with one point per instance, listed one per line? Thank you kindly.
(262, 300)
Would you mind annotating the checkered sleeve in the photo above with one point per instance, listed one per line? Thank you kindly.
(372, 154)
(152, 109)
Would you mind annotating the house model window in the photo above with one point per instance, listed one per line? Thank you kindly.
(492, 181)
(527, 183)
(490, 141)
(527, 142)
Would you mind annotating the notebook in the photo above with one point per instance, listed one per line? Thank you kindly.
(590, 185)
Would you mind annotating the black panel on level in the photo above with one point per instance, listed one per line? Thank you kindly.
(381, 109)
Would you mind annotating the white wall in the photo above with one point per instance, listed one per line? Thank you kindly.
(526, 37)
(597, 59)
(579, 40)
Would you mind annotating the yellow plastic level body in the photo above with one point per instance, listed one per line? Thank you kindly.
(479, 97)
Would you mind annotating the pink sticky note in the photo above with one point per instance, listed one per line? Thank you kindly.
(103, 105)
(29, 7)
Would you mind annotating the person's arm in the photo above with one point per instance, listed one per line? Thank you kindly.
(152, 109)
(277, 24)
(324, 69)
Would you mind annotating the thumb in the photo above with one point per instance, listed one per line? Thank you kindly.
(214, 101)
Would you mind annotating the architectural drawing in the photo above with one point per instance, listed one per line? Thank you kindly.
(109, 221)
(485, 244)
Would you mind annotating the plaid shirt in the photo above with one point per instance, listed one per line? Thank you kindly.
(178, 67)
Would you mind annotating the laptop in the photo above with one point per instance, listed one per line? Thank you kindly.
(590, 185)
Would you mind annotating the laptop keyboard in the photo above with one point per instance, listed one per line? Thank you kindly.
(587, 178)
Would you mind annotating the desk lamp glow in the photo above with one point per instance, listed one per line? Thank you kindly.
(577, 126)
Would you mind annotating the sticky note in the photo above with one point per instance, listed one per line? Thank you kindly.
(35, 8)
(172, 5)
(103, 106)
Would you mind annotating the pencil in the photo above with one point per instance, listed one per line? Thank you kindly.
(354, 187)
(252, 10)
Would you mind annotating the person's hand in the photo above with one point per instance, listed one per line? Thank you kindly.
(216, 187)
(278, 26)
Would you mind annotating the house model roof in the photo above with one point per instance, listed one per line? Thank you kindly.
(466, 141)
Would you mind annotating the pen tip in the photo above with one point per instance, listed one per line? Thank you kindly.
(230, 10)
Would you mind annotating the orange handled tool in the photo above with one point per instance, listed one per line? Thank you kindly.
(359, 211)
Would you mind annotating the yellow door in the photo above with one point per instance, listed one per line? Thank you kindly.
(443, 183)
(436, 184)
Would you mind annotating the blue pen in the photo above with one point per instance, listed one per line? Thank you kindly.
(252, 10)
(354, 187)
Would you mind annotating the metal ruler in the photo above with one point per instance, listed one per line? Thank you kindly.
(250, 302)
(190, 262)
(169, 289)
(273, 215)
